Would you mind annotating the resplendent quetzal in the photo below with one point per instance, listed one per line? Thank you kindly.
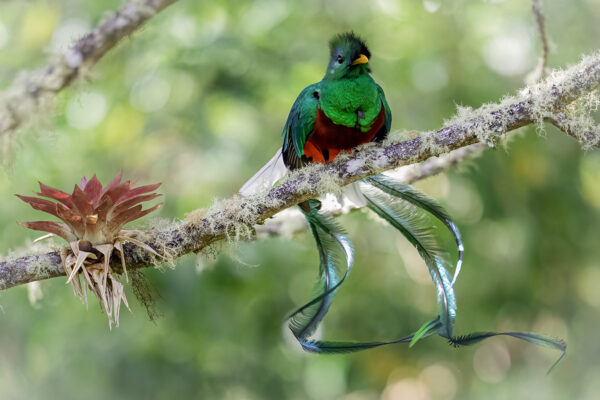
(342, 111)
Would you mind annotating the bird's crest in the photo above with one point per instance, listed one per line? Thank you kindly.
(349, 39)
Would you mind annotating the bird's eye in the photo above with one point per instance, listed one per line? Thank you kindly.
(340, 59)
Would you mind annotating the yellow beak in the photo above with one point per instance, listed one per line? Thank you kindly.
(362, 59)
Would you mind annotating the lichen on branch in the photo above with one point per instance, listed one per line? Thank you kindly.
(236, 217)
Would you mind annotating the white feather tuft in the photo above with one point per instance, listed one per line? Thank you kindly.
(273, 171)
(350, 198)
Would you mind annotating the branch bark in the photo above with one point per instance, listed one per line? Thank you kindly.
(31, 92)
(289, 223)
(236, 217)
(584, 130)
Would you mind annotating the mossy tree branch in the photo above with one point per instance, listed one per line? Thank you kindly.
(32, 91)
(237, 216)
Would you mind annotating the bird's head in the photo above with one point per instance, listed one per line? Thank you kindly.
(349, 57)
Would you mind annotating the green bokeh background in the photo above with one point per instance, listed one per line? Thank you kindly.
(196, 99)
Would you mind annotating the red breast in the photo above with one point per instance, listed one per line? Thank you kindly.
(331, 139)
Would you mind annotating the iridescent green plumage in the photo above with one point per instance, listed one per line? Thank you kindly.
(345, 109)
(347, 96)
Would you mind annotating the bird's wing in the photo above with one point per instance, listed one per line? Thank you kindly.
(298, 128)
(388, 116)
(300, 125)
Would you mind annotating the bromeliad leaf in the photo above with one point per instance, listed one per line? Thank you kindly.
(92, 222)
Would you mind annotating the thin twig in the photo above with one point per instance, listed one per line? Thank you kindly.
(32, 91)
(436, 166)
(540, 71)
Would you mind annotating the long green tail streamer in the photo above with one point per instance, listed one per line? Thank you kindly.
(405, 211)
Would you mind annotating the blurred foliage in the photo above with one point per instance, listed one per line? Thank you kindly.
(197, 100)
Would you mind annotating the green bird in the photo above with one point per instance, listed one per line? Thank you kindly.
(345, 109)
